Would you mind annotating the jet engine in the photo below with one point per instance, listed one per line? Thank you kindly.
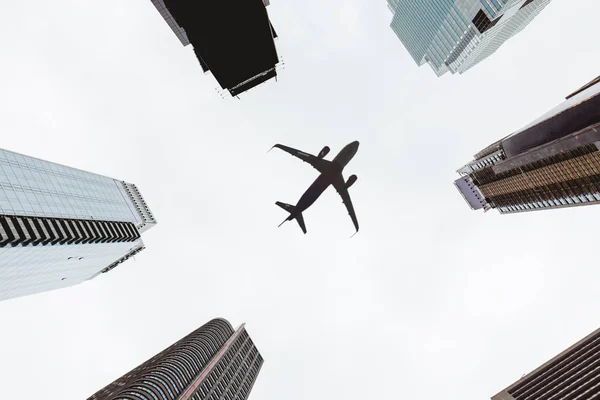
(323, 152)
(351, 181)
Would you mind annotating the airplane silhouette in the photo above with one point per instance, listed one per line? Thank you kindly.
(331, 174)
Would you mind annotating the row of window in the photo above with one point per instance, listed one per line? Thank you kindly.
(221, 369)
(184, 360)
(575, 374)
(448, 36)
(488, 161)
(532, 204)
(554, 195)
(24, 231)
(123, 259)
(234, 385)
(453, 37)
(491, 41)
(590, 152)
(226, 386)
(575, 180)
(169, 373)
(134, 197)
(233, 377)
(31, 166)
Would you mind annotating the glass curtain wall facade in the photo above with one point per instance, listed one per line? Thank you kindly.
(553, 162)
(573, 374)
(504, 27)
(60, 226)
(212, 363)
(454, 35)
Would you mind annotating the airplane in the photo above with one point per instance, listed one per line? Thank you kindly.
(331, 174)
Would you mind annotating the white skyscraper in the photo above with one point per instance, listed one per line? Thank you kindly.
(60, 226)
(454, 35)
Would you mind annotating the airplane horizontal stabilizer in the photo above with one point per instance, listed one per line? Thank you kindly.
(290, 208)
(287, 207)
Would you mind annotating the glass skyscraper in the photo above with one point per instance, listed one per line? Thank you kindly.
(553, 162)
(454, 35)
(60, 226)
(214, 362)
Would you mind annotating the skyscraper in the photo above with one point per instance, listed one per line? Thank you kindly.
(553, 162)
(60, 226)
(214, 362)
(573, 374)
(234, 40)
(454, 35)
(177, 30)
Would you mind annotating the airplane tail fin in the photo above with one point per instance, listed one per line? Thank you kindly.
(290, 208)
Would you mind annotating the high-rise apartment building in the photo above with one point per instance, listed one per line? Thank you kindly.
(233, 40)
(553, 162)
(214, 362)
(572, 375)
(454, 35)
(60, 226)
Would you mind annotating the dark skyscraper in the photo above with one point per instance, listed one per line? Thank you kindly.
(214, 363)
(234, 40)
(553, 162)
(572, 375)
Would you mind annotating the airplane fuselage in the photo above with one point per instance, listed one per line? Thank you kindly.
(325, 179)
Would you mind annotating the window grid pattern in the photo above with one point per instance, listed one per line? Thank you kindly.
(33, 187)
(60, 226)
(233, 377)
(167, 375)
(126, 257)
(570, 178)
(442, 33)
(553, 162)
(27, 270)
(575, 374)
(496, 36)
(139, 206)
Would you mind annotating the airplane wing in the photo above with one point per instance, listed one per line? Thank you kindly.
(340, 185)
(319, 164)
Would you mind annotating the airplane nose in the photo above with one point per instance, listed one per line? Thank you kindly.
(356, 143)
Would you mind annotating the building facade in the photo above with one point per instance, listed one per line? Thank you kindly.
(214, 362)
(454, 35)
(177, 30)
(60, 226)
(573, 374)
(233, 40)
(553, 162)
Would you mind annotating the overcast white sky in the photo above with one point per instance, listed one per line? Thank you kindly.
(430, 300)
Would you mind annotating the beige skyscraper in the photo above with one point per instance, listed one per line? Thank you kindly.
(553, 162)
(574, 374)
